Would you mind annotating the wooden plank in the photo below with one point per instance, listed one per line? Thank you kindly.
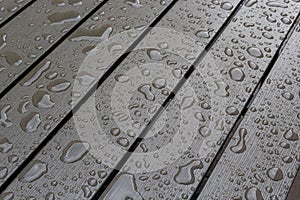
(59, 170)
(28, 36)
(9, 7)
(240, 57)
(59, 69)
(268, 156)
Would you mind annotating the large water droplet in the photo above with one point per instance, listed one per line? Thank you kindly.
(275, 174)
(63, 17)
(255, 52)
(146, 91)
(75, 151)
(58, 85)
(33, 171)
(31, 122)
(253, 194)
(155, 54)
(12, 58)
(98, 34)
(185, 174)
(42, 99)
(124, 187)
(236, 74)
(291, 135)
(4, 121)
(240, 147)
(42, 67)
(5, 145)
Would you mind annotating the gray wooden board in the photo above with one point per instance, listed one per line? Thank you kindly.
(59, 171)
(59, 69)
(34, 31)
(230, 72)
(9, 7)
(267, 138)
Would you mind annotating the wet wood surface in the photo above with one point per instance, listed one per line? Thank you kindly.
(113, 109)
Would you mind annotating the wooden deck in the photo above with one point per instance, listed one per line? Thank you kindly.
(149, 99)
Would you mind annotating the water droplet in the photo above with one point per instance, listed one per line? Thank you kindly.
(123, 187)
(31, 122)
(3, 172)
(276, 4)
(231, 110)
(187, 102)
(288, 96)
(97, 35)
(5, 145)
(42, 99)
(58, 85)
(203, 34)
(240, 147)
(155, 54)
(12, 58)
(236, 74)
(275, 174)
(85, 79)
(75, 151)
(63, 17)
(134, 3)
(7, 196)
(5, 122)
(159, 83)
(147, 92)
(226, 6)
(2, 40)
(255, 52)
(185, 174)
(33, 171)
(222, 89)
(122, 78)
(253, 194)
(204, 131)
(123, 141)
(291, 135)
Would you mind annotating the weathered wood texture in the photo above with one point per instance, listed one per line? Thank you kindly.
(263, 157)
(59, 69)
(34, 31)
(241, 55)
(9, 7)
(59, 171)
